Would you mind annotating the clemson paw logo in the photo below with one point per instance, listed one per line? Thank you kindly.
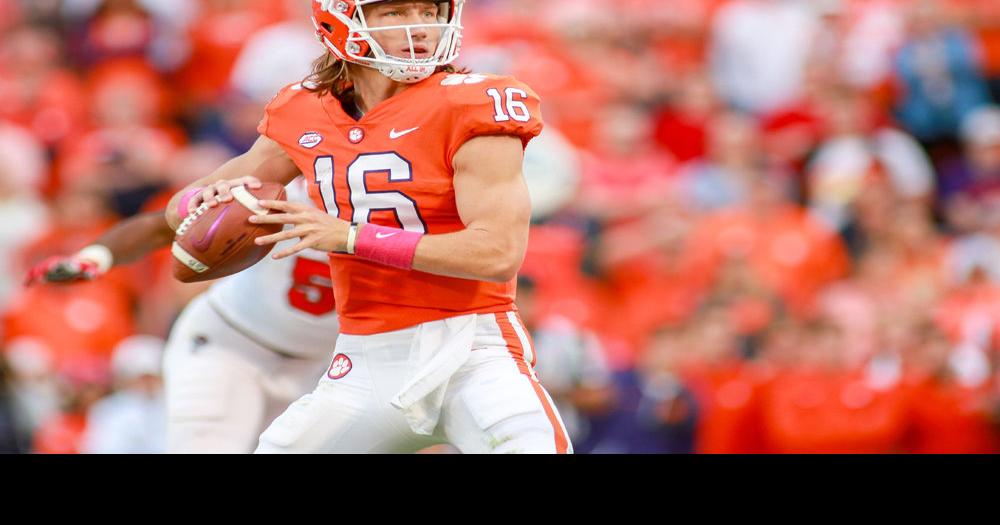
(340, 367)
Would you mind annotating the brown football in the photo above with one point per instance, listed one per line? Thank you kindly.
(215, 242)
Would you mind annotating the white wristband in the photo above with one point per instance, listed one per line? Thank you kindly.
(352, 238)
(100, 255)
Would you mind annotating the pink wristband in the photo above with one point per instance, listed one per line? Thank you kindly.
(388, 246)
(182, 205)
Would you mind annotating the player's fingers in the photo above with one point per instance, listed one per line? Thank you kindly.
(222, 192)
(207, 196)
(276, 218)
(278, 237)
(283, 205)
(249, 181)
(288, 252)
(197, 200)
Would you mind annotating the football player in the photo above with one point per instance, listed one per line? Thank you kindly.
(416, 174)
(240, 353)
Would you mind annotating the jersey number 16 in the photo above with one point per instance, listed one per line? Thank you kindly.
(363, 201)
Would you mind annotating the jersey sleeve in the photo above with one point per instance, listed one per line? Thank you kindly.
(492, 106)
(275, 107)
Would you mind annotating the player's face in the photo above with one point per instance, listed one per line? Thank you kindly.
(405, 12)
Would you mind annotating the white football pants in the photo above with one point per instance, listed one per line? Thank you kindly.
(491, 402)
(222, 388)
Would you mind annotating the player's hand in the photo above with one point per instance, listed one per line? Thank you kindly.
(315, 229)
(61, 269)
(221, 192)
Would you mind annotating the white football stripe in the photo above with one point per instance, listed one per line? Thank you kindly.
(187, 259)
(245, 198)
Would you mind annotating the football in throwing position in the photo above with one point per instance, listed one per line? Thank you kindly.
(214, 242)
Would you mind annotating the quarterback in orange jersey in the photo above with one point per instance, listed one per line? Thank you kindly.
(416, 174)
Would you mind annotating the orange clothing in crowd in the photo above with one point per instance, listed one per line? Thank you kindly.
(951, 419)
(217, 37)
(554, 256)
(51, 109)
(984, 19)
(536, 57)
(787, 250)
(810, 412)
(687, 45)
(648, 292)
(8, 12)
(554, 261)
(86, 319)
(971, 314)
(121, 30)
(729, 397)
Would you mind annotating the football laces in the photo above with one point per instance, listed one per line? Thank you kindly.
(191, 218)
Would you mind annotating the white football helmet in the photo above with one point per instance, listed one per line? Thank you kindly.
(341, 26)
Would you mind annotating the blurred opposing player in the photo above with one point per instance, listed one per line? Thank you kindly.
(417, 174)
(240, 353)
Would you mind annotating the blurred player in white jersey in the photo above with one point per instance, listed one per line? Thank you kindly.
(241, 352)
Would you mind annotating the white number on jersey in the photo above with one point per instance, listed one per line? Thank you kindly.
(323, 166)
(311, 290)
(364, 201)
(515, 109)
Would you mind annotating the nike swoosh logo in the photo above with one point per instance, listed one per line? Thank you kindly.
(381, 235)
(395, 135)
(205, 242)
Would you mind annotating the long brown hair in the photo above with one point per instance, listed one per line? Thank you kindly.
(330, 75)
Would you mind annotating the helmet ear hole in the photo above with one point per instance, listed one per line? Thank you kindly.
(327, 27)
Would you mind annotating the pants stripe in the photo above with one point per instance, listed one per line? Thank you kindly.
(517, 352)
(522, 334)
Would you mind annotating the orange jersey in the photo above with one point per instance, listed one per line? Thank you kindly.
(393, 168)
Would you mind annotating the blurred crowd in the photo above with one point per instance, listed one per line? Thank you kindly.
(759, 225)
